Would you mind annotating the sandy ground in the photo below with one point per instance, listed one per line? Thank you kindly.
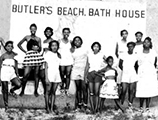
(30, 107)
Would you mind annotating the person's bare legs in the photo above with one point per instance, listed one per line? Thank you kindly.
(36, 73)
(131, 93)
(91, 97)
(53, 96)
(97, 89)
(68, 73)
(123, 93)
(27, 71)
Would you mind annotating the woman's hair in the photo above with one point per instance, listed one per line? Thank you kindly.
(73, 41)
(8, 42)
(48, 28)
(109, 57)
(98, 45)
(33, 25)
(133, 43)
(31, 43)
(66, 29)
(149, 39)
(139, 33)
(53, 41)
(121, 33)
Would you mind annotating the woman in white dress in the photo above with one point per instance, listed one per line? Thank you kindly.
(121, 48)
(78, 73)
(66, 60)
(52, 75)
(147, 86)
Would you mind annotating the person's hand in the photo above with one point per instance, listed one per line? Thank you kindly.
(59, 55)
(35, 48)
(47, 81)
(86, 80)
(72, 49)
(104, 58)
(119, 89)
(1, 39)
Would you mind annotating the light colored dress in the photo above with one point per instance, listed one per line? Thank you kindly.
(7, 70)
(129, 73)
(147, 85)
(53, 62)
(66, 55)
(122, 48)
(80, 60)
(109, 89)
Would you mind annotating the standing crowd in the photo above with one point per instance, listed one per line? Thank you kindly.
(57, 62)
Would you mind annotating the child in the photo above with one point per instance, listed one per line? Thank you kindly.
(109, 89)
(52, 75)
(9, 72)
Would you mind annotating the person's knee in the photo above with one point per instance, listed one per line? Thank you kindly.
(68, 73)
(26, 75)
(5, 90)
(96, 93)
(91, 94)
(53, 92)
(18, 85)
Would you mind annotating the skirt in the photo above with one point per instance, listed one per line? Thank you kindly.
(109, 90)
(33, 58)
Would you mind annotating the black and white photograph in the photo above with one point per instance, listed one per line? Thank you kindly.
(78, 60)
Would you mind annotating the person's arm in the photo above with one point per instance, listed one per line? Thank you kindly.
(136, 66)
(46, 72)
(121, 64)
(155, 63)
(116, 74)
(116, 51)
(2, 42)
(72, 49)
(20, 44)
(46, 57)
(16, 68)
(103, 70)
(40, 45)
(86, 71)
(1, 60)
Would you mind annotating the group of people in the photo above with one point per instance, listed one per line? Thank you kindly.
(57, 62)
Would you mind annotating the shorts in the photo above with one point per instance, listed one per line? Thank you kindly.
(92, 77)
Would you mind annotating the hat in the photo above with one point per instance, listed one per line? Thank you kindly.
(133, 43)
